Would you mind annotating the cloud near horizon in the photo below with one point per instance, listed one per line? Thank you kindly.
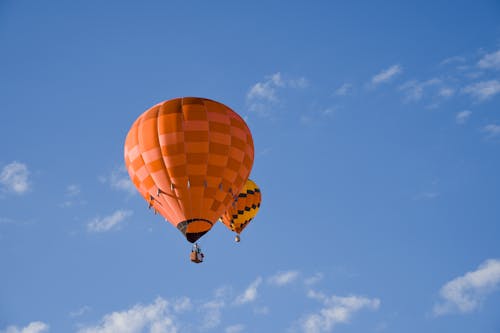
(33, 327)
(335, 310)
(465, 293)
(176, 315)
(158, 316)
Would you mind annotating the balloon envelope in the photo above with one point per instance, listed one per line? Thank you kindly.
(244, 208)
(189, 157)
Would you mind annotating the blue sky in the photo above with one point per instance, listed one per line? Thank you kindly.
(377, 137)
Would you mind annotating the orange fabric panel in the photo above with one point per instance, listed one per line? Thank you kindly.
(187, 157)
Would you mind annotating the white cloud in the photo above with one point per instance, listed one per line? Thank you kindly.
(182, 304)
(328, 111)
(283, 278)
(120, 180)
(465, 293)
(14, 178)
(235, 328)
(262, 310)
(483, 90)
(312, 280)
(250, 294)
(264, 94)
(335, 310)
(451, 60)
(80, 312)
(213, 313)
(490, 61)
(446, 92)
(157, 317)
(109, 222)
(299, 83)
(387, 74)
(33, 327)
(72, 193)
(317, 295)
(343, 89)
(414, 89)
(463, 116)
(492, 130)
(266, 90)
(73, 190)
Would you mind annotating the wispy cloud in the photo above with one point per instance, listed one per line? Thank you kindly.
(250, 294)
(235, 328)
(387, 74)
(107, 223)
(119, 180)
(335, 310)
(263, 95)
(6, 220)
(414, 90)
(73, 190)
(490, 61)
(462, 116)
(453, 60)
(312, 280)
(266, 90)
(182, 304)
(262, 310)
(71, 196)
(33, 327)
(283, 278)
(483, 90)
(492, 130)
(343, 89)
(212, 313)
(427, 195)
(80, 312)
(446, 92)
(14, 178)
(465, 293)
(195, 315)
(156, 317)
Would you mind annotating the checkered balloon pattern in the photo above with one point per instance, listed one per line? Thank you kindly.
(244, 208)
(189, 158)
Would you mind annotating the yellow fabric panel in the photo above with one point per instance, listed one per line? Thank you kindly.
(244, 208)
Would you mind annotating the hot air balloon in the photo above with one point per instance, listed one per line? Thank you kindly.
(189, 157)
(243, 209)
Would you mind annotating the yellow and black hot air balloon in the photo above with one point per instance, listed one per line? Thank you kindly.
(189, 158)
(243, 209)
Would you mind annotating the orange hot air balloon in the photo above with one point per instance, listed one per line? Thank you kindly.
(243, 209)
(189, 157)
